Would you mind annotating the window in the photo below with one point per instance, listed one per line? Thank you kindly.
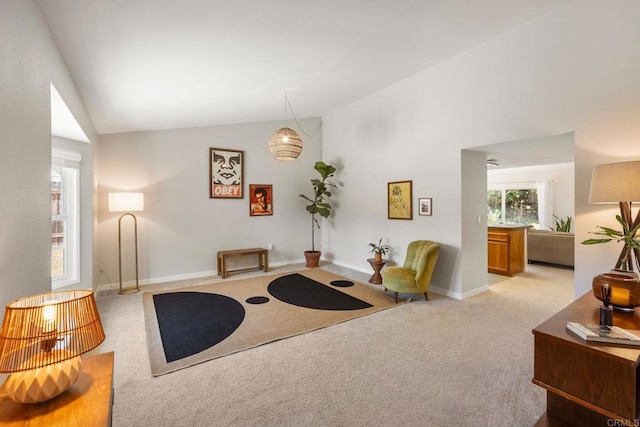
(513, 204)
(65, 221)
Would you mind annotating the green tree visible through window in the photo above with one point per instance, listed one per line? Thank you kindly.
(521, 206)
(509, 206)
(494, 206)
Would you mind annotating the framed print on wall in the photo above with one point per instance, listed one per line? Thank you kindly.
(226, 173)
(260, 199)
(399, 200)
(424, 206)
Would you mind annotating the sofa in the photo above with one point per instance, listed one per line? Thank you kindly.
(554, 247)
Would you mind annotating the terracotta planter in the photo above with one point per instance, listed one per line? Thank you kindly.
(313, 258)
(625, 289)
(378, 257)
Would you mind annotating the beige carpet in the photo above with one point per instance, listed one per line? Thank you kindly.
(263, 323)
(432, 363)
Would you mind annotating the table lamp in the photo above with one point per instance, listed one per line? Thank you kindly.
(127, 202)
(41, 341)
(619, 183)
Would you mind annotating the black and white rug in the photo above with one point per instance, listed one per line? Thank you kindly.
(193, 325)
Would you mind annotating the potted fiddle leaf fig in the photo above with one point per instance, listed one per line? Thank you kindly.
(318, 205)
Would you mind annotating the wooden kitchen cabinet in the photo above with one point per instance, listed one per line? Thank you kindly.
(506, 249)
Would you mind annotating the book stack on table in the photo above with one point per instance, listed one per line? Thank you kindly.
(605, 334)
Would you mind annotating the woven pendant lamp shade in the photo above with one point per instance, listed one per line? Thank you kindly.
(285, 144)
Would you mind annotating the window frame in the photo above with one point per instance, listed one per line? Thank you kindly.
(69, 162)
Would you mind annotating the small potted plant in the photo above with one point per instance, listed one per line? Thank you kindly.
(563, 225)
(379, 250)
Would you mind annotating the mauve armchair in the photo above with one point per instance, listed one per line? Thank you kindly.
(414, 276)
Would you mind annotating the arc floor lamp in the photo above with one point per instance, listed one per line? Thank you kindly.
(127, 203)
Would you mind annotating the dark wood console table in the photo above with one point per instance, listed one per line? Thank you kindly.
(590, 384)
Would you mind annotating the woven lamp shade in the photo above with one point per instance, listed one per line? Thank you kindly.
(285, 144)
(615, 182)
(48, 328)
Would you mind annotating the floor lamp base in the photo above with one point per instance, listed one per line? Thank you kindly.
(127, 291)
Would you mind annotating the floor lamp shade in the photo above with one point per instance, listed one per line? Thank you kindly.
(127, 202)
(41, 340)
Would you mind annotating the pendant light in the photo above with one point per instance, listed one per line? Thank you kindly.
(285, 143)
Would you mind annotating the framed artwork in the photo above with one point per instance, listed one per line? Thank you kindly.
(399, 200)
(226, 173)
(424, 206)
(260, 199)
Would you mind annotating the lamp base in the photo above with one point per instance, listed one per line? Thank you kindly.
(128, 291)
(41, 384)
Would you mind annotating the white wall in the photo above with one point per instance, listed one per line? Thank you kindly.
(181, 228)
(29, 62)
(474, 223)
(563, 183)
(573, 70)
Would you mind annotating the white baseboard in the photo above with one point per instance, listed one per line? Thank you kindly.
(156, 280)
(201, 274)
(434, 289)
(352, 267)
(458, 295)
(445, 292)
(475, 291)
(176, 277)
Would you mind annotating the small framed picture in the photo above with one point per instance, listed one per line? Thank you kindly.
(260, 199)
(424, 206)
(226, 173)
(399, 200)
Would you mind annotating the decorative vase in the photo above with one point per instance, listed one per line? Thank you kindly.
(624, 286)
(378, 257)
(312, 258)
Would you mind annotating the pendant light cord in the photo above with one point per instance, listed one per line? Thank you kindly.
(287, 102)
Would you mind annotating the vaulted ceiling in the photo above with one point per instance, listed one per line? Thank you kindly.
(159, 64)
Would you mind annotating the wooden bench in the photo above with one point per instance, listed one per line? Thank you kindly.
(263, 260)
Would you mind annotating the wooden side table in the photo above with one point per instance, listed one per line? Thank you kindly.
(377, 266)
(87, 403)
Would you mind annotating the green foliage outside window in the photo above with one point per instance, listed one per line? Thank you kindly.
(520, 206)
